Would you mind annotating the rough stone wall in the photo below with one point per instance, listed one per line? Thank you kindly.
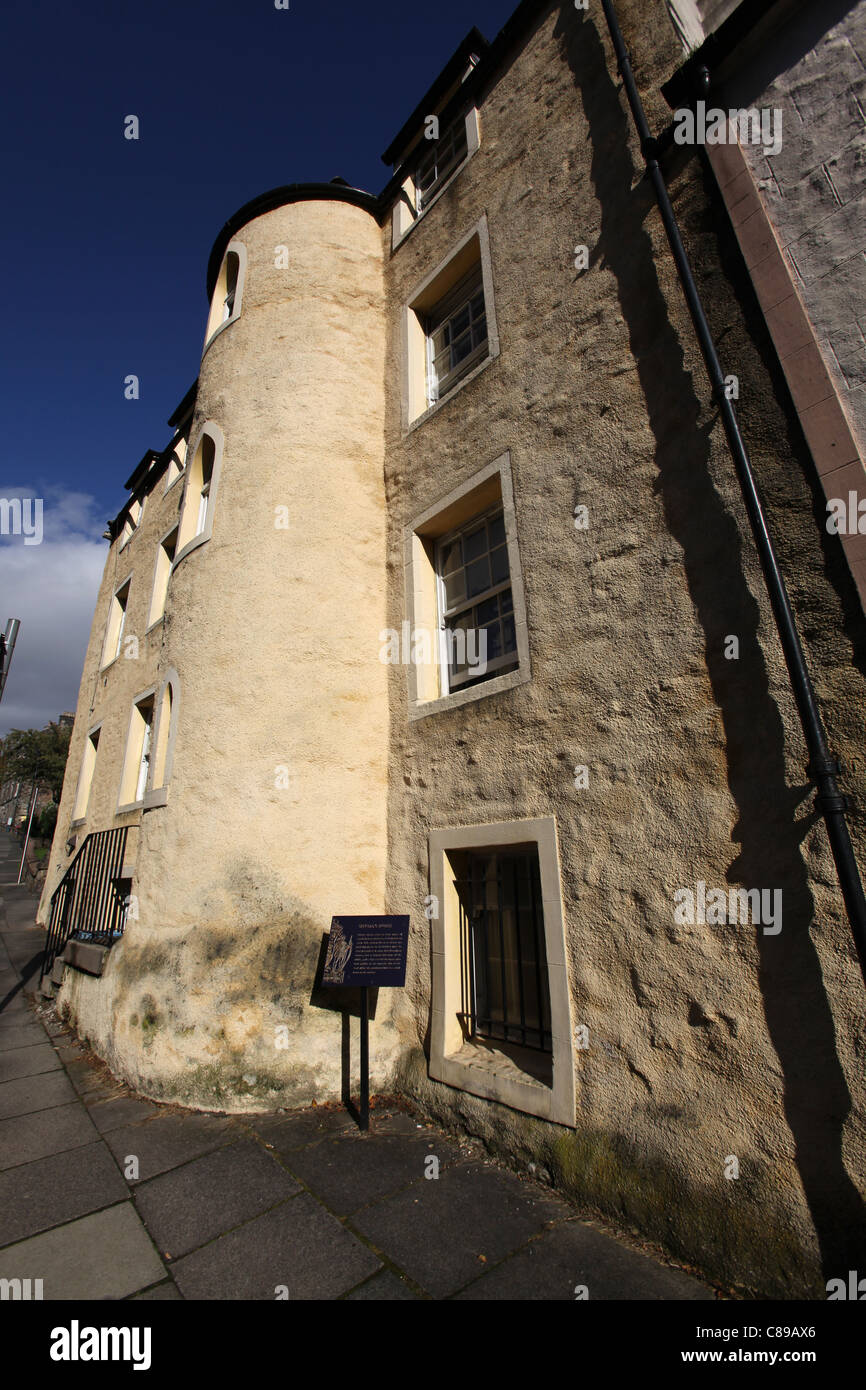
(276, 809)
(706, 1041)
(815, 193)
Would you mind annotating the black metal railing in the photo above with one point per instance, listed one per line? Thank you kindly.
(503, 965)
(89, 902)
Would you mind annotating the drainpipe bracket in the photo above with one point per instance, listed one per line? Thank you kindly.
(823, 767)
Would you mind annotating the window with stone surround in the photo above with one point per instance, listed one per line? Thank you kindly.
(85, 777)
(465, 603)
(227, 300)
(136, 762)
(449, 328)
(116, 624)
(500, 1003)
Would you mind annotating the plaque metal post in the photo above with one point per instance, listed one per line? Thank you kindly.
(365, 1059)
(366, 952)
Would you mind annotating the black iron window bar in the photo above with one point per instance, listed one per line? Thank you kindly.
(89, 903)
(503, 967)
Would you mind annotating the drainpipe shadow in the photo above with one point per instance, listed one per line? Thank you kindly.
(798, 1016)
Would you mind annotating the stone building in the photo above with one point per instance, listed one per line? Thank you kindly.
(441, 599)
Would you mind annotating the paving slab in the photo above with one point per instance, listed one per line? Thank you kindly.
(86, 1077)
(161, 1293)
(439, 1230)
(295, 1130)
(191, 1205)
(21, 1035)
(297, 1245)
(31, 1093)
(575, 1257)
(104, 1256)
(36, 1196)
(13, 1008)
(349, 1172)
(166, 1141)
(28, 1061)
(113, 1114)
(25, 1138)
(384, 1288)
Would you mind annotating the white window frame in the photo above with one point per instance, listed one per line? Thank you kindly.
(163, 741)
(489, 489)
(406, 214)
(461, 297)
(193, 493)
(161, 577)
(121, 625)
(218, 320)
(450, 137)
(86, 774)
(423, 306)
(177, 463)
(133, 521)
(133, 758)
(444, 613)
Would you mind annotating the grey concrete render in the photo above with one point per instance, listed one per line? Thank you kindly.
(106, 1195)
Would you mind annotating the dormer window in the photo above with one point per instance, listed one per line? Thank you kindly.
(176, 462)
(431, 166)
(439, 162)
(132, 522)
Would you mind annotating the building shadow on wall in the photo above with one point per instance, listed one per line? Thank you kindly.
(798, 1016)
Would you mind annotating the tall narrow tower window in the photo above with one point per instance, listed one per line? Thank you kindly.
(226, 301)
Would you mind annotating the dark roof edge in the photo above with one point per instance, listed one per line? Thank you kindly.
(684, 86)
(492, 59)
(184, 408)
(281, 197)
(474, 42)
(140, 471)
(148, 471)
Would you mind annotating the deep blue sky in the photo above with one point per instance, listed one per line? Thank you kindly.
(105, 240)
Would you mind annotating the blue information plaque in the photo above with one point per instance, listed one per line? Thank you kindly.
(367, 951)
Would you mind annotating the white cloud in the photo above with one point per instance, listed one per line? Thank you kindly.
(52, 588)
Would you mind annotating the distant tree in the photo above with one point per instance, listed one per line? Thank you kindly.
(37, 755)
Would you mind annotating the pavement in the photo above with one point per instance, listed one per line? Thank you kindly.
(107, 1195)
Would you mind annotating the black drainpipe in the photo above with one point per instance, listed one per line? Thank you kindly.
(822, 766)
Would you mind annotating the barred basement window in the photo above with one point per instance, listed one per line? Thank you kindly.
(456, 335)
(503, 964)
(439, 161)
(500, 1008)
(476, 611)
